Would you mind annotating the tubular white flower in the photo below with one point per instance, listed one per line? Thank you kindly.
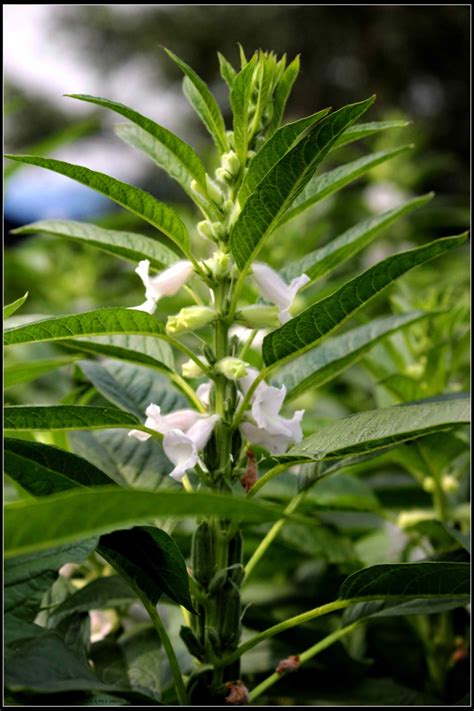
(275, 443)
(203, 392)
(266, 404)
(182, 449)
(274, 289)
(165, 284)
(181, 419)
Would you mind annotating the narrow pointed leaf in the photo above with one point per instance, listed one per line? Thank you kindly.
(228, 72)
(26, 372)
(203, 102)
(325, 362)
(10, 309)
(283, 183)
(74, 515)
(128, 245)
(274, 149)
(149, 559)
(282, 93)
(63, 418)
(364, 130)
(374, 429)
(42, 470)
(137, 201)
(165, 148)
(321, 186)
(321, 261)
(92, 323)
(409, 580)
(301, 333)
(240, 101)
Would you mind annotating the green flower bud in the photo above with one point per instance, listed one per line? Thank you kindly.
(213, 231)
(190, 369)
(230, 163)
(223, 175)
(190, 318)
(429, 484)
(214, 191)
(232, 368)
(406, 519)
(449, 484)
(219, 264)
(258, 316)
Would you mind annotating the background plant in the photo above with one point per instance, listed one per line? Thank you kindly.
(263, 180)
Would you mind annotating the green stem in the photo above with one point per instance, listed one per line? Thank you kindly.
(271, 473)
(304, 657)
(439, 498)
(282, 626)
(272, 534)
(167, 646)
(187, 351)
(248, 395)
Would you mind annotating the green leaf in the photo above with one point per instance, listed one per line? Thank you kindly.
(137, 201)
(228, 72)
(282, 184)
(100, 594)
(41, 469)
(150, 560)
(383, 608)
(10, 309)
(282, 92)
(301, 333)
(74, 515)
(274, 149)
(127, 245)
(373, 429)
(62, 418)
(203, 102)
(240, 102)
(363, 130)
(92, 323)
(408, 580)
(321, 186)
(26, 372)
(135, 349)
(321, 261)
(132, 387)
(166, 149)
(322, 364)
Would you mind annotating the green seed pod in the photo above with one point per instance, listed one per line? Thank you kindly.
(235, 549)
(198, 687)
(191, 642)
(214, 640)
(217, 581)
(229, 611)
(203, 559)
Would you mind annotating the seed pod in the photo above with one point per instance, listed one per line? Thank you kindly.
(228, 622)
(217, 581)
(191, 642)
(203, 554)
(214, 640)
(235, 549)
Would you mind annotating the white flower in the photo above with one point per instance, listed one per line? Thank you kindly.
(185, 433)
(274, 289)
(182, 448)
(165, 284)
(275, 443)
(203, 392)
(243, 334)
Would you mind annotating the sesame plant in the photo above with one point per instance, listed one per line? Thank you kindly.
(198, 404)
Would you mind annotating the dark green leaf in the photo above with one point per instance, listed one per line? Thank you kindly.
(101, 593)
(283, 183)
(43, 470)
(127, 245)
(301, 333)
(133, 199)
(62, 418)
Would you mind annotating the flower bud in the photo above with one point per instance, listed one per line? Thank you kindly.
(219, 264)
(258, 316)
(449, 484)
(230, 163)
(411, 518)
(429, 484)
(232, 368)
(224, 176)
(190, 318)
(214, 191)
(190, 369)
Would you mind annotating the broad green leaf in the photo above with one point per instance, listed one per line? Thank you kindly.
(274, 149)
(283, 183)
(137, 201)
(203, 102)
(92, 323)
(301, 333)
(282, 92)
(321, 186)
(25, 372)
(373, 429)
(62, 418)
(10, 309)
(166, 149)
(363, 130)
(101, 593)
(128, 245)
(240, 103)
(318, 366)
(319, 542)
(383, 608)
(143, 350)
(150, 560)
(132, 387)
(408, 580)
(75, 515)
(42, 470)
(321, 261)
(228, 72)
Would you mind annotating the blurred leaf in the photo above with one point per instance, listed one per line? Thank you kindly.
(10, 309)
(26, 372)
(363, 130)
